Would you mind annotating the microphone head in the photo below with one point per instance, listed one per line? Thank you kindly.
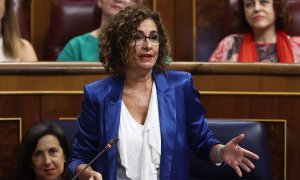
(113, 141)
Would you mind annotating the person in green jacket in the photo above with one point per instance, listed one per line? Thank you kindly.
(85, 47)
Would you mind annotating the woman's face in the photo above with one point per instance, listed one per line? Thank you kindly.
(2, 8)
(260, 14)
(143, 49)
(111, 7)
(48, 159)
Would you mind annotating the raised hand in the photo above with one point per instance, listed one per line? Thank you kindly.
(237, 157)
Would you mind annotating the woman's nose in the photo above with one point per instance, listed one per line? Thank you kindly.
(257, 6)
(147, 43)
(47, 159)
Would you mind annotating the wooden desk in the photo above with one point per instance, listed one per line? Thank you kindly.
(266, 92)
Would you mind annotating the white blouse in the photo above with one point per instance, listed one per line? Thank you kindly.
(139, 145)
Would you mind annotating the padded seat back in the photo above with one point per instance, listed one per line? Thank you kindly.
(255, 141)
(70, 18)
(22, 11)
(69, 127)
(293, 28)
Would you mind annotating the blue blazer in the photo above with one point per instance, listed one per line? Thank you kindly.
(182, 124)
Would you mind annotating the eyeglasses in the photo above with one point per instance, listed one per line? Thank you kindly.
(124, 1)
(252, 5)
(140, 39)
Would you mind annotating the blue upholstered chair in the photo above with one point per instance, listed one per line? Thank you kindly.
(224, 130)
(255, 141)
(69, 127)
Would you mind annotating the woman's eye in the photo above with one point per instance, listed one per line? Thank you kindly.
(264, 2)
(53, 151)
(37, 153)
(249, 4)
(138, 37)
(154, 37)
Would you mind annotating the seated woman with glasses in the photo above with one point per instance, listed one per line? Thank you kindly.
(86, 47)
(155, 112)
(262, 37)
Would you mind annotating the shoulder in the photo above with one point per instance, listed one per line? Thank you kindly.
(103, 86)
(27, 52)
(84, 38)
(295, 45)
(232, 38)
(177, 77)
(227, 48)
(294, 39)
(102, 83)
(177, 74)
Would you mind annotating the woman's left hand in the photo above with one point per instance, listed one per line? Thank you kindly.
(237, 157)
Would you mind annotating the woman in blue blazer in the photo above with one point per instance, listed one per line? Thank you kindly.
(156, 113)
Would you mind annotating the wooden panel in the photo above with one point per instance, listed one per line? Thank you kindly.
(183, 41)
(149, 3)
(167, 12)
(40, 20)
(10, 130)
(277, 130)
(60, 106)
(35, 91)
(21, 105)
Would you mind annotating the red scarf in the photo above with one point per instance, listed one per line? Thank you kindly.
(248, 51)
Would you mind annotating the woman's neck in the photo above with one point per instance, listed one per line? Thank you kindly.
(134, 79)
(265, 36)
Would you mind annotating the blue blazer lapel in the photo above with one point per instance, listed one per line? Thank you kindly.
(167, 116)
(112, 121)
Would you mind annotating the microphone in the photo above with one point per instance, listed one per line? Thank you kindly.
(106, 148)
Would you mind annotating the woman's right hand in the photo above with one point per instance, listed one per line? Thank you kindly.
(88, 173)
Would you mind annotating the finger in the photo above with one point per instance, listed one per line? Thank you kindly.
(248, 163)
(238, 171)
(238, 139)
(98, 176)
(251, 154)
(245, 167)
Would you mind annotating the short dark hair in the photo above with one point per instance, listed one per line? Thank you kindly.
(118, 33)
(29, 143)
(282, 13)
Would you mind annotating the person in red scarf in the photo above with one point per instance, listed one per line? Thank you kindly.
(262, 38)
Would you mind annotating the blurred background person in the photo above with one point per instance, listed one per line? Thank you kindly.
(13, 47)
(262, 37)
(86, 47)
(44, 153)
(156, 113)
